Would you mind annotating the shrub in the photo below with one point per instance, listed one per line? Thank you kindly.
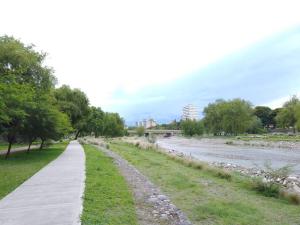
(220, 173)
(269, 189)
(140, 131)
(293, 198)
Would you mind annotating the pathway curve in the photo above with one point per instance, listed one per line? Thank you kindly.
(152, 206)
(53, 196)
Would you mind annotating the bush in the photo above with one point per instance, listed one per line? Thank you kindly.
(293, 198)
(140, 131)
(192, 127)
(269, 189)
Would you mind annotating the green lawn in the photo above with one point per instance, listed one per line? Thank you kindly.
(205, 198)
(107, 198)
(20, 166)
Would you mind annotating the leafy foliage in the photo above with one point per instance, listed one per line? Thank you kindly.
(30, 106)
(140, 131)
(289, 115)
(192, 127)
(230, 117)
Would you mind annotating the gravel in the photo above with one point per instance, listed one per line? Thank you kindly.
(152, 206)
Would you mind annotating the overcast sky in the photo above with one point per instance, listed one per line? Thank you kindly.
(108, 48)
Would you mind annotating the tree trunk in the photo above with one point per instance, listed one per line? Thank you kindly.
(28, 149)
(8, 150)
(42, 144)
(77, 134)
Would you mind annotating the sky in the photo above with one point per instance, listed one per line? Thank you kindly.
(132, 56)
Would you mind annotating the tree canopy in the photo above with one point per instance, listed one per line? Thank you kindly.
(32, 108)
(229, 117)
(289, 115)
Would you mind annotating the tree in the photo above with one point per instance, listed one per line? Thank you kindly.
(75, 104)
(289, 115)
(113, 125)
(140, 131)
(213, 116)
(265, 115)
(230, 117)
(54, 124)
(14, 105)
(95, 122)
(24, 79)
(192, 127)
(45, 121)
(256, 127)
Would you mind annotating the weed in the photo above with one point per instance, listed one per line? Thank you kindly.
(293, 198)
(269, 189)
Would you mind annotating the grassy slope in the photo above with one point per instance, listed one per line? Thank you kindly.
(205, 198)
(107, 199)
(21, 166)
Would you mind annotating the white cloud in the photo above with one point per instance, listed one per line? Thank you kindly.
(105, 46)
(278, 103)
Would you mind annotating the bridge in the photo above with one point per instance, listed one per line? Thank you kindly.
(158, 132)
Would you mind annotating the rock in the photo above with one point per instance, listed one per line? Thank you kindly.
(152, 200)
(162, 197)
(164, 216)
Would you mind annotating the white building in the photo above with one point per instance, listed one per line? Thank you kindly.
(149, 123)
(190, 112)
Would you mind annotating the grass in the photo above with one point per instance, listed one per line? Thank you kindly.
(107, 199)
(20, 166)
(205, 197)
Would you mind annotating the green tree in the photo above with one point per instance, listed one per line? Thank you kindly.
(230, 117)
(75, 104)
(14, 105)
(140, 131)
(192, 127)
(45, 121)
(22, 77)
(113, 125)
(54, 124)
(265, 115)
(95, 121)
(289, 115)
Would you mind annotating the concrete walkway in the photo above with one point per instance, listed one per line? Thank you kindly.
(50, 197)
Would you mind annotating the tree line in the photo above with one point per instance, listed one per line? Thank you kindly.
(238, 116)
(32, 108)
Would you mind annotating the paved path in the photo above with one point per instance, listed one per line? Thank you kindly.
(52, 196)
(19, 149)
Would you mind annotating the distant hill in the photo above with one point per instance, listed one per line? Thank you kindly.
(261, 73)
